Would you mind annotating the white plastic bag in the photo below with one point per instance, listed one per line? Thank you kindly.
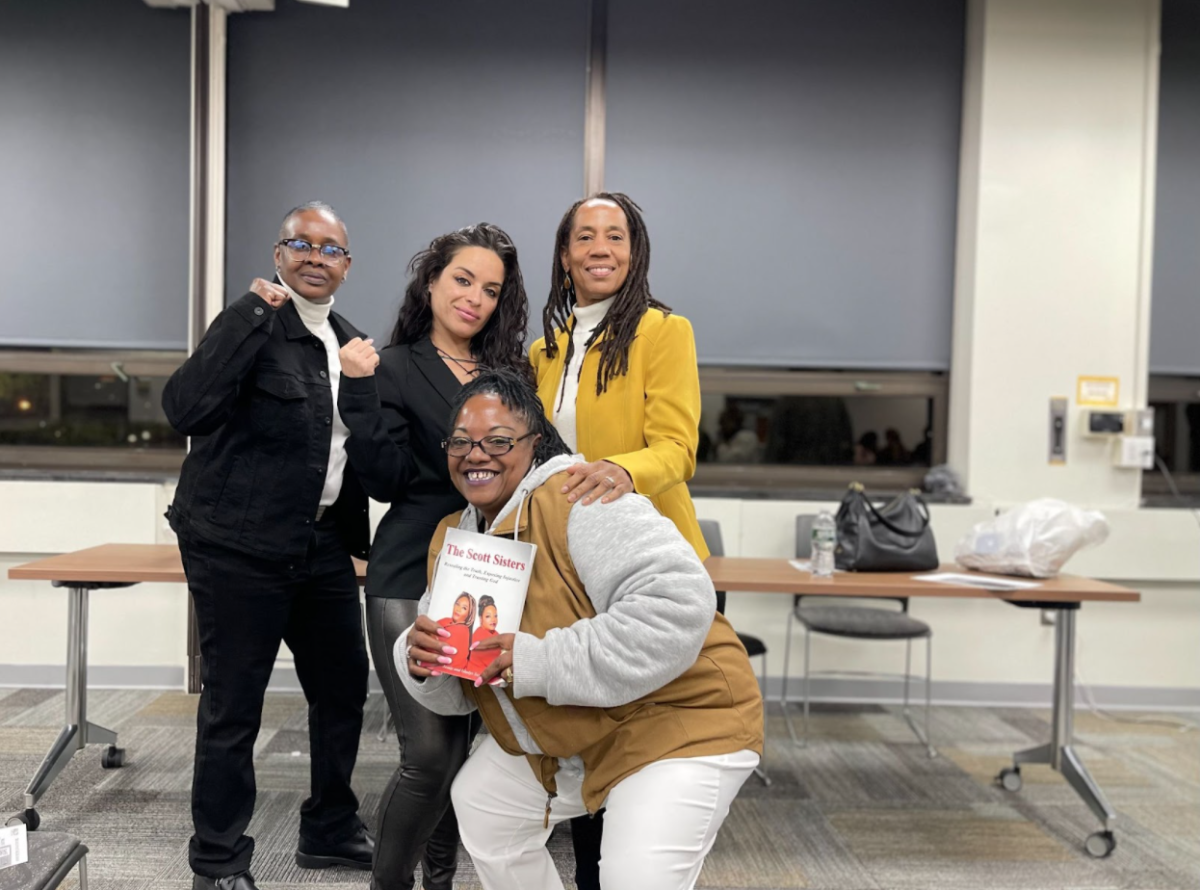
(1033, 539)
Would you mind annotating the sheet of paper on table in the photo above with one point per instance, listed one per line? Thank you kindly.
(984, 582)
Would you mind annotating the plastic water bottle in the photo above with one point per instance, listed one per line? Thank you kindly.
(824, 540)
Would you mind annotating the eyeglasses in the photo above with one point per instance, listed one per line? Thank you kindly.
(493, 446)
(299, 250)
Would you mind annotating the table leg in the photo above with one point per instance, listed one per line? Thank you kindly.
(77, 732)
(1060, 751)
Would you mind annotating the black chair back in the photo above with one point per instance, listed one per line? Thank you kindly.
(710, 529)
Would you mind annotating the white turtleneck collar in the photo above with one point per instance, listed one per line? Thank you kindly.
(314, 315)
(588, 317)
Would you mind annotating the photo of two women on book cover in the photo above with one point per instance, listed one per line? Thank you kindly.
(478, 592)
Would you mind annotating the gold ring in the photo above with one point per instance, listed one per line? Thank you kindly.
(508, 676)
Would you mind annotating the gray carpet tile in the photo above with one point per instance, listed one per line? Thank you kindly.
(860, 808)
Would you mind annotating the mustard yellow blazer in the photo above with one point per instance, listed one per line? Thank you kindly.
(648, 420)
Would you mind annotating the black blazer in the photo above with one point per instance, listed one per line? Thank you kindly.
(256, 398)
(397, 424)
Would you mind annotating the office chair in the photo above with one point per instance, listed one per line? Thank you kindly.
(859, 623)
(711, 530)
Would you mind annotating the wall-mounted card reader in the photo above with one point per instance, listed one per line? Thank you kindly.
(1058, 431)
(1105, 423)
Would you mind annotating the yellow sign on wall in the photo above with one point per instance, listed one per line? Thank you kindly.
(1099, 392)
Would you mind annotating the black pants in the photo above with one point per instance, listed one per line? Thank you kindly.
(244, 607)
(416, 820)
(586, 833)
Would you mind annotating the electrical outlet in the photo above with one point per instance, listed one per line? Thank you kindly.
(1135, 452)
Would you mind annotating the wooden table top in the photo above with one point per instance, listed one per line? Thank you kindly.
(117, 563)
(145, 563)
(760, 575)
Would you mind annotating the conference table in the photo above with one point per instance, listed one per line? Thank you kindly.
(123, 565)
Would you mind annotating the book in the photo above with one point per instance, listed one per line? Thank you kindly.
(478, 592)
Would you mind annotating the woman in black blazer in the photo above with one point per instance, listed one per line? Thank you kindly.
(464, 309)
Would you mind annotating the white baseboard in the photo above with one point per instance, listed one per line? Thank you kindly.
(824, 689)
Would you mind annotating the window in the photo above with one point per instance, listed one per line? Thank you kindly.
(771, 429)
(87, 409)
(1176, 405)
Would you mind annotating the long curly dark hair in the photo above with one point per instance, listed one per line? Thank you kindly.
(630, 303)
(500, 344)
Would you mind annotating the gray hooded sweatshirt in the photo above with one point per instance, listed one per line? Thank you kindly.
(654, 605)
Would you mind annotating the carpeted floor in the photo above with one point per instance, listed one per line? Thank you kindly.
(862, 808)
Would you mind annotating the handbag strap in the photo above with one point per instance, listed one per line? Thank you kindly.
(922, 511)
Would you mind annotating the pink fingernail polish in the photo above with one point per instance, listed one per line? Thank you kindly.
(449, 650)
(442, 659)
(435, 673)
(442, 632)
(478, 682)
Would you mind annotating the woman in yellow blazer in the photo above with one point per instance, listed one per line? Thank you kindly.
(616, 372)
(630, 400)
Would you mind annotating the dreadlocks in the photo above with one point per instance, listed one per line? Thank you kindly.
(629, 304)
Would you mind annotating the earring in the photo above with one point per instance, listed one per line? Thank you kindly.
(568, 285)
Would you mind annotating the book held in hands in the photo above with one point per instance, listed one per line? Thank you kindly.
(478, 592)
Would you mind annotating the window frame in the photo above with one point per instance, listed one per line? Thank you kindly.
(1171, 388)
(712, 478)
(57, 363)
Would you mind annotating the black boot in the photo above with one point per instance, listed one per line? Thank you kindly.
(241, 881)
(356, 851)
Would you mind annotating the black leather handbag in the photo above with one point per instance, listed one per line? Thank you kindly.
(892, 538)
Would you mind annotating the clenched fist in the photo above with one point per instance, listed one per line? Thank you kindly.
(270, 291)
(358, 358)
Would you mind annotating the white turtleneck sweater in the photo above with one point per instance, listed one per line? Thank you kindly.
(587, 319)
(316, 318)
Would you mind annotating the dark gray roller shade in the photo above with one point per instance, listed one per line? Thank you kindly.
(94, 117)
(1175, 307)
(411, 119)
(798, 165)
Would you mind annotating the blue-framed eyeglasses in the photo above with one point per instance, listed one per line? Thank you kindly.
(299, 250)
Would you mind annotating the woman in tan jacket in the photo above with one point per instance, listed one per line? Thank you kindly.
(621, 689)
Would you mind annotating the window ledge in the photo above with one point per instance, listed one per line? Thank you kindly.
(774, 493)
(66, 474)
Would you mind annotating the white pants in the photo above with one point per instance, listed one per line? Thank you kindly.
(660, 823)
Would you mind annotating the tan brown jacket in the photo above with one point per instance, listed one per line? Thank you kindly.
(714, 707)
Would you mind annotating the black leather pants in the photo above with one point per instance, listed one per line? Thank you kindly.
(416, 819)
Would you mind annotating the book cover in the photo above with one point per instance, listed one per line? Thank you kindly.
(478, 592)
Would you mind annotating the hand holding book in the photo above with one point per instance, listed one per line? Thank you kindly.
(427, 648)
(500, 666)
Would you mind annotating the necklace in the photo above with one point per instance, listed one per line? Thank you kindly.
(448, 357)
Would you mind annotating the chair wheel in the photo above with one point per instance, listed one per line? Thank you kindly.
(1100, 845)
(1010, 778)
(113, 757)
(29, 818)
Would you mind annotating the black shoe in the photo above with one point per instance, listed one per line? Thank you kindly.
(241, 881)
(354, 852)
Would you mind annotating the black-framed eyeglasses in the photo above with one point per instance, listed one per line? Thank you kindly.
(493, 446)
(299, 250)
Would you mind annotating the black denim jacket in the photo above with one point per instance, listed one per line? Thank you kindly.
(255, 396)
